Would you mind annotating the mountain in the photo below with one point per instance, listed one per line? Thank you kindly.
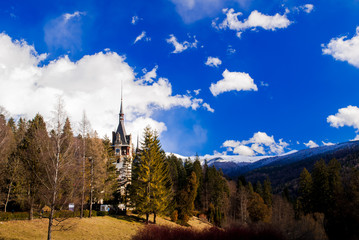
(282, 169)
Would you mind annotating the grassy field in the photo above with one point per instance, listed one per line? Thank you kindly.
(122, 227)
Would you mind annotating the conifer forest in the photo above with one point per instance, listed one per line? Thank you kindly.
(45, 166)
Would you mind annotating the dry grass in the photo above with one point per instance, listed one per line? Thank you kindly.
(73, 228)
(122, 227)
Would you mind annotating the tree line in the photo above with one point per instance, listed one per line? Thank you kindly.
(334, 192)
(45, 164)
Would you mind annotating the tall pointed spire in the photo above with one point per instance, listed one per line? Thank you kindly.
(121, 108)
(138, 143)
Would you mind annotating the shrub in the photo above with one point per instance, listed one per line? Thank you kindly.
(7, 216)
(102, 213)
(155, 232)
(174, 216)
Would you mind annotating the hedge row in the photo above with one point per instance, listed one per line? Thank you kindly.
(7, 216)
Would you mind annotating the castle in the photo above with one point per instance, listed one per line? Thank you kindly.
(123, 148)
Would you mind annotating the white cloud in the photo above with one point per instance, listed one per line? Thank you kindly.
(93, 84)
(65, 31)
(135, 19)
(348, 116)
(327, 143)
(208, 107)
(230, 50)
(196, 91)
(311, 144)
(150, 76)
(308, 8)
(233, 81)
(213, 62)
(142, 36)
(255, 20)
(344, 49)
(243, 150)
(260, 143)
(180, 47)
(68, 16)
(263, 84)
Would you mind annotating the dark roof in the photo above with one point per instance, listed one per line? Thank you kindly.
(121, 130)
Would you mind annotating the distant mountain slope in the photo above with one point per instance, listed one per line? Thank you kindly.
(284, 169)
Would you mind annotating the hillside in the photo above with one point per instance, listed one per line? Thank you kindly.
(123, 227)
(284, 171)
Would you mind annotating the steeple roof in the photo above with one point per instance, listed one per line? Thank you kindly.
(121, 126)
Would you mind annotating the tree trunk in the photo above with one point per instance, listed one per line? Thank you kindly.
(91, 190)
(31, 203)
(54, 190)
(83, 182)
(154, 218)
(147, 216)
(31, 211)
(8, 196)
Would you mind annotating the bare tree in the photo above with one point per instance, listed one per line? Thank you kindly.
(84, 129)
(60, 156)
(7, 144)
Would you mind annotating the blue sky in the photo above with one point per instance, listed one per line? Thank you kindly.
(274, 76)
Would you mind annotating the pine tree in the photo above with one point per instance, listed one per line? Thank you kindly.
(33, 153)
(321, 192)
(187, 198)
(153, 187)
(267, 192)
(305, 191)
(259, 188)
(197, 168)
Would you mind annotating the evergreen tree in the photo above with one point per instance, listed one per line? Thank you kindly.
(187, 198)
(197, 168)
(321, 191)
(267, 192)
(259, 188)
(33, 153)
(153, 187)
(257, 209)
(305, 191)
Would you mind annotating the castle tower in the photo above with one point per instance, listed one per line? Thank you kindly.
(122, 145)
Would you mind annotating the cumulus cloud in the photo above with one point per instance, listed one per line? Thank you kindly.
(64, 31)
(233, 81)
(348, 116)
(311, 144)
(344, 49)
(142, 36)
(327, 143)
(92, 83)
(260, 143)
(213, 62)
(254, 20)
(180, 47)
(196, 91)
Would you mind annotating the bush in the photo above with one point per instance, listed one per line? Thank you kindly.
(174, 216)
(7, 216)
(155, 232)
(102, 213)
